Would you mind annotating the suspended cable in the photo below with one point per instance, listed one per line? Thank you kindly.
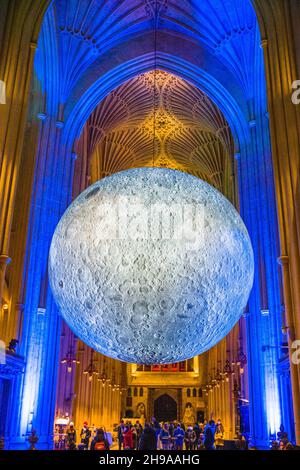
(155, 79)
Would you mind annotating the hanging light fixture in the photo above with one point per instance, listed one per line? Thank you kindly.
(113, 384)
(227, 370)
(91, 370)
(70, 360)
(242, 361)
(103, 376)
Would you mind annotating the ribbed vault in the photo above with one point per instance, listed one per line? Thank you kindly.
(178, 127)
(87, 29)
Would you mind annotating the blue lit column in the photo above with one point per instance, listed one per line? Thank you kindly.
(42, 324)
(258, 208)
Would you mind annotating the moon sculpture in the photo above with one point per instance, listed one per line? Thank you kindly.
(151, 266)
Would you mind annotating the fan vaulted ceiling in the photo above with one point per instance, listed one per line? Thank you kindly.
(186, 131)
(227, 28)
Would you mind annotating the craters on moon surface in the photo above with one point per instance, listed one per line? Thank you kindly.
(148, 274)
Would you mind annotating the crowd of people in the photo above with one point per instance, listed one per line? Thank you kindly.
(170, 436)
(282, 441)
(208, 435)
(97, 441)
(153, 435)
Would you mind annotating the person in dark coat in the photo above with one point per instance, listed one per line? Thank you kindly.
(209, 435)
(71, 437)
(148, 440)
(139, 430)
(85, 435)
(157, 429)
(120, 431)
(100, 442)
(197, 432)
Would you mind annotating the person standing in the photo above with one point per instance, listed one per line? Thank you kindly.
(219, 436)
(165, 437)
(209, 435)
(179, 437)
(148, 440)
(189, 438)
(197, 432)
(139, 430)
(157, 429)
(100, 442)
(128, 438)
(71, 437)
(134, 437)
(85, 435)
(120, 432)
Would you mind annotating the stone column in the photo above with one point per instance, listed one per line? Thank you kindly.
(179, 401)
(22, 21)
(280, 32)
(41, 333)
(294, 368)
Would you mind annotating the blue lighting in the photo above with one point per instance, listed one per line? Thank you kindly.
(85, 52)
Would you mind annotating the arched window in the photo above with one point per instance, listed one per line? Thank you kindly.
(188, 392)
(194, 393)
(200, 393)
(141, 392)
(135, 392)
(129, 392)
(129, 414)
(129, 401)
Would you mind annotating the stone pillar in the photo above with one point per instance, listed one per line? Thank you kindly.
(42, 323)
(22, 20)
(196, 364)
(294, 368)
(257, 203)
(179, 407)
(280, 32)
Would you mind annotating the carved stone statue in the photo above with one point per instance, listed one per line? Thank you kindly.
(188, 416)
